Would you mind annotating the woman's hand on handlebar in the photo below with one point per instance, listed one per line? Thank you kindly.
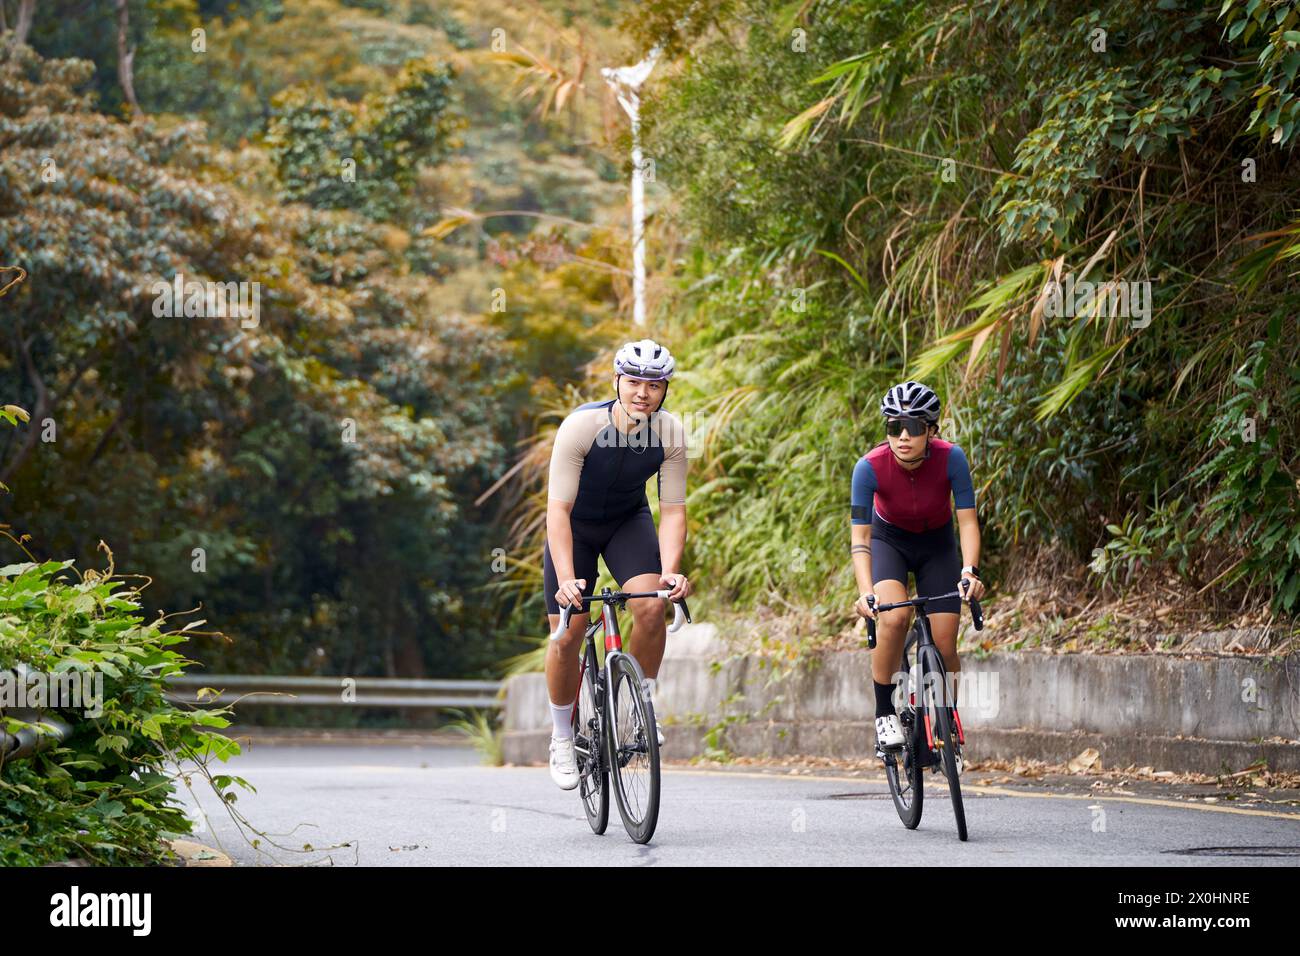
(865, 606)
(971, 587)
(570, 592)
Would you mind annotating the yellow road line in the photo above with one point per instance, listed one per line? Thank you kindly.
(1003, 791)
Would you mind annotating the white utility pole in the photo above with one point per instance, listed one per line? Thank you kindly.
(626, 82)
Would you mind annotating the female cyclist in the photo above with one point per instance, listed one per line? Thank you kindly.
(901, 522)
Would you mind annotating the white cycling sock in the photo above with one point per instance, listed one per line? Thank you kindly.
(650, 688)
(562, 718)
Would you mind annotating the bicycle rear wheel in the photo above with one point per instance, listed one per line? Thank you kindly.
(902, 767)
(633, 748)
(939, 707)
(588, 742)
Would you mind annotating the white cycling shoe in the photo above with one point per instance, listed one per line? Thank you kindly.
(889, 732)
(649, 686)
(659, 734)
(564, 763)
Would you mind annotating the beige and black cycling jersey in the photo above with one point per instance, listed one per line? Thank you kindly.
(603, 470)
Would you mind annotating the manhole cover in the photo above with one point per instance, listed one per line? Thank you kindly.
(1239, 851)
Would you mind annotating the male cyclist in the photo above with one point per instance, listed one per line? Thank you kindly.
(604, 454)
(901, 521)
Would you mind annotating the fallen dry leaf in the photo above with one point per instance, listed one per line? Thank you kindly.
(1086, 761)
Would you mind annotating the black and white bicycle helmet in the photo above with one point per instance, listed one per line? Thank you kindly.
(646, 360)
(911, 398)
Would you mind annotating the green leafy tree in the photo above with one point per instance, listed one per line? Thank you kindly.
(892, 195)
(175, 433)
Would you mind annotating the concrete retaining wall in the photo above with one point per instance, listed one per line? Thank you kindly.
(1207, 714)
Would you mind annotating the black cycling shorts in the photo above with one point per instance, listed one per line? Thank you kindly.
(931, 555)
(630, 546)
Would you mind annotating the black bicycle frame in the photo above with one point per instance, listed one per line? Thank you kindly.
(924, 645)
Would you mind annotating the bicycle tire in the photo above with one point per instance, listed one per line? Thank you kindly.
(903, 769)
(942, 727)
(630, 730)
(589, 735)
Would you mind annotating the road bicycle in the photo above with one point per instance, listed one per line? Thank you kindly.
(932, 732)
(614, 729)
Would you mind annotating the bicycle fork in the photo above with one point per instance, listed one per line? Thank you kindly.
(929, 731)
(930, 692)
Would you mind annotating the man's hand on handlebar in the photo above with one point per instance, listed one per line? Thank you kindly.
(970, 587)
(679, 587)
(570, 592)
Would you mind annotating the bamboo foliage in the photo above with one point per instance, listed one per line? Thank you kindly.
(936, 177)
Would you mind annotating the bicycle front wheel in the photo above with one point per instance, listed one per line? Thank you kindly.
(633, 748)
(903, 767)
(939, 707)
(588, 742)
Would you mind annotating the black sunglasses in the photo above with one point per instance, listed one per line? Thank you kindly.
(916, 427)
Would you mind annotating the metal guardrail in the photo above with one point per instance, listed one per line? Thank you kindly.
(27, 740)
(294, 691)
(336, 691)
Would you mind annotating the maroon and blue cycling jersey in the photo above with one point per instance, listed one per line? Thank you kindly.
(912, 500)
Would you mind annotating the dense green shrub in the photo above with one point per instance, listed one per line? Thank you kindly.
(882, 189)
(106, 794)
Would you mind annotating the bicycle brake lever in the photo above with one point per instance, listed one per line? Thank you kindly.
(871, 626)
(565, 613)
(680, 617)
(976, 612)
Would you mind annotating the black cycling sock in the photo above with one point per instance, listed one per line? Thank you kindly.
(884, 699)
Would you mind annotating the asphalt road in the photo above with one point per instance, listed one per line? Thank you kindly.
(434, 804)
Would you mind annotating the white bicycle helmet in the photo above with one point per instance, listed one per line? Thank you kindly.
(911, 398)
(646, 360)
